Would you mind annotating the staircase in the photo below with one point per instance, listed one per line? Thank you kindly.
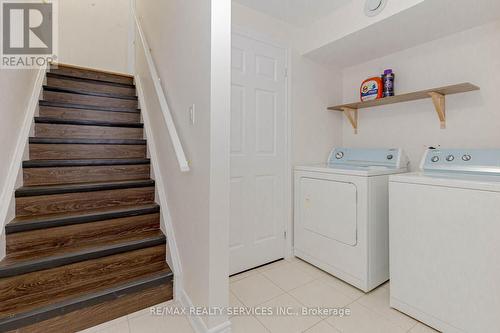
(86, 245)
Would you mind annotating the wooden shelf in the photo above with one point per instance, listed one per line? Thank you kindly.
(437, 95)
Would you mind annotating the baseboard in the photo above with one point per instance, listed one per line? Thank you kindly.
(2, 245)
(197, 322)
(162, 196)
(423, 317)
(17, 158)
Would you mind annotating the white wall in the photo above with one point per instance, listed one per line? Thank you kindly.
(313, 88)
(16, 87)
(344, 21)
(220, 127)
(472, 118)
(190, 45)
(95, 33)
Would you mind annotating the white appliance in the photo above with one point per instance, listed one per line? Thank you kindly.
(341, 214)
(445, 241)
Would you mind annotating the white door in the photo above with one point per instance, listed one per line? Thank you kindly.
(258, 153)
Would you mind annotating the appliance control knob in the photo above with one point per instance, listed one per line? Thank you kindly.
(466, 158)
(450, 158)
(435, 159)
(339, 155)
(390, 157)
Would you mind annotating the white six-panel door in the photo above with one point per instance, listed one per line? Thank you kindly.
(258, 153)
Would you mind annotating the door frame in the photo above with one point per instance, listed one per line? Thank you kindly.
(287, 167)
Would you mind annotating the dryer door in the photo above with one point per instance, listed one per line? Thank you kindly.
(329, 209)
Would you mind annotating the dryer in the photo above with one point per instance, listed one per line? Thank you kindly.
(445, 241)
(341, 214)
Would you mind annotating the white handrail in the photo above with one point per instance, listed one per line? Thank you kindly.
(176, 142)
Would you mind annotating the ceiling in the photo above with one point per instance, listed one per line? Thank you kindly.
(296, 12)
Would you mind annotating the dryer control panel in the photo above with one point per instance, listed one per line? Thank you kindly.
(388, 157)
(465, 161)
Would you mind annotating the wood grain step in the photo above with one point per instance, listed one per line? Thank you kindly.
(85, 174)
(85, 122)
(63, 81)
(77, 314)
(62, 97)
(82, 114)
(83, 141)
(54, 172)
(82, 79)
(92, 74)
(80, 163)
(67, 201)
(71, 149)
(37, 289)
(89, 93)
(87, 107)
(64, 128)
(30, 244)
(14, 266)
(31, 191)
(23, 224)
(43, 130)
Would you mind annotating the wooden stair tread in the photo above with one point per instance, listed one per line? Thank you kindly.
(28, 223)
(56, 309)
(89, 93)
(12, 265)
(29, 191)
(107, 102)
(83, 114)
(87, 107)
(89, 73)
(86, 122)
(83, 141)
(84, 69)
(26, 292)
(84, 162)
(76, 78)
(103, 311)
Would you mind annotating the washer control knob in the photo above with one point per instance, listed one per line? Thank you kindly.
(435, 159)
(466, 158)
(450, 158)
(339, 155)
(390, 157)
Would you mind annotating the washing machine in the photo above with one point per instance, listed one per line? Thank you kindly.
(445, 241)
(341, 214)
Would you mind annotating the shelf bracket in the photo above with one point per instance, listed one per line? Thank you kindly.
(352, 116)
(439, 101)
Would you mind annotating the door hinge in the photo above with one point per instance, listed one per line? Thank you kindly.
(286, 72)
(284, 234)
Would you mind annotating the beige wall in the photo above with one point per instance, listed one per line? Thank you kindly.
(16, 87)
(95, 33)
(193, 63)
(472, 118)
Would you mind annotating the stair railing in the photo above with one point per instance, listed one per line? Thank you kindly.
(167, 115)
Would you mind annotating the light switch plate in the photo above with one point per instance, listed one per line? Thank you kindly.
(192, 114)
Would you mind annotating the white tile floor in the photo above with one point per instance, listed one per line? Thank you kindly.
(288, 283)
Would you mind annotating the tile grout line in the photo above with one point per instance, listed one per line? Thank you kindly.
(355, 300)
(128, 325)
(381, 316)
(285, 292)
